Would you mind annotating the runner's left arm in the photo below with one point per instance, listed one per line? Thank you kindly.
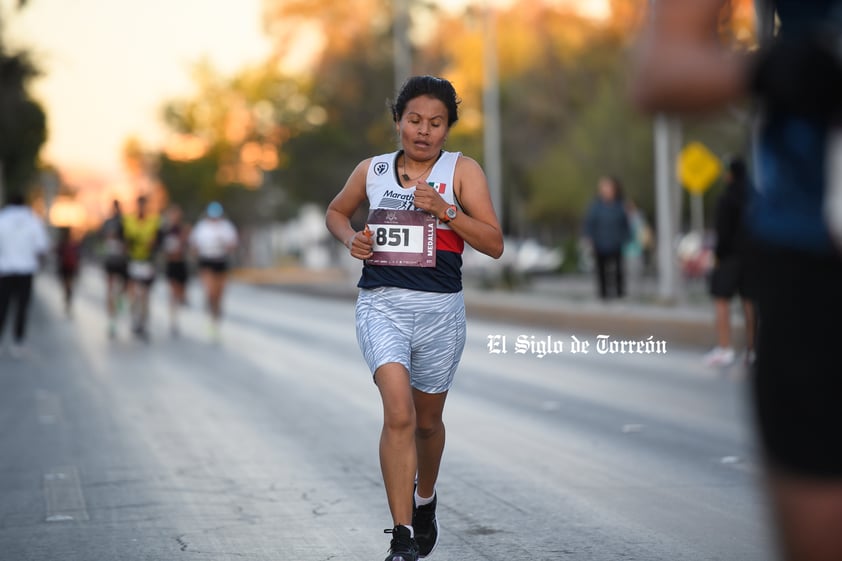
(476, 222)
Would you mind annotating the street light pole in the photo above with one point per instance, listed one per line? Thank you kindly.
(491, 112)
(667, 204)
(665, 210)
(400, 42)
(765, 20)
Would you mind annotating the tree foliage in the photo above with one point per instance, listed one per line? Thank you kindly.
(565, 115)
(23, 124)
(227, 141)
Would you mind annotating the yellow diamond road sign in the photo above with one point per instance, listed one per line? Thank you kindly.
(698, 168)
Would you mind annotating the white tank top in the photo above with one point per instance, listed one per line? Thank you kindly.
(385, 191)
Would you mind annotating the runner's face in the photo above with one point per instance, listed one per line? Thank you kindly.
(423, 128)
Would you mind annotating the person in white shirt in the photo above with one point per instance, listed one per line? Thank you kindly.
(23, 244)
(213, 240)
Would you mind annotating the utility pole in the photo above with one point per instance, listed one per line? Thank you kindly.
(765, 20)
(666, 209)
(491, 112)
(400, 42)
(667, 203)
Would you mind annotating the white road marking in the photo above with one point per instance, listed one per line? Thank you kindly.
(63, 495)
(47, 407)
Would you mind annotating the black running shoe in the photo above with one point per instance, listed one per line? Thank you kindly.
(426, 527)
(403, 546)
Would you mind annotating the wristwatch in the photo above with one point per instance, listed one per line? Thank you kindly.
(449, 214)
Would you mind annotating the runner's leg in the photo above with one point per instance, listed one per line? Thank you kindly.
(429, 438)
(398, 456)
(24, 295)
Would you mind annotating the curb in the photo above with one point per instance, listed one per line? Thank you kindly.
(622, 323)
(677, 326)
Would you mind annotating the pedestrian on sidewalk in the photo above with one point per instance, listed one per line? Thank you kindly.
(730, 275)
(607, 231)
(23, 247)
(410, 313)
(683, 65)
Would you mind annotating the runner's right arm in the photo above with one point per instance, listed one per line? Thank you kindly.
(343, 206)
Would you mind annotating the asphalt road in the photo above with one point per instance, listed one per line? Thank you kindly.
(265, 447)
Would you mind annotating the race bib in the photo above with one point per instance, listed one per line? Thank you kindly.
(141, 270)
(114, 248)
(404, 238)
(172, 244)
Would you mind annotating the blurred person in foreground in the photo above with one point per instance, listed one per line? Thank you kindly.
(681, 66)
(730, 276)
(68, 258)
(607, 230)
(176, 236)
(23, 246)
(115, 263)
(214, 239)
(426, 203)
(142, 232)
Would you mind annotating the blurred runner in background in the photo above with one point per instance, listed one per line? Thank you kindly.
(116, 264)
(23, 245)
(176, 235)
(214, 240)
(68, 258)
(143, 235)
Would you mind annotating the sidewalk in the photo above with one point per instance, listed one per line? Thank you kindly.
(567, 303)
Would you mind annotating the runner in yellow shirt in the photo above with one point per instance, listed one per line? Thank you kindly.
(143, 235)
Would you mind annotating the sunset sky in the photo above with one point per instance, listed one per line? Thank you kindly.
(108, 66)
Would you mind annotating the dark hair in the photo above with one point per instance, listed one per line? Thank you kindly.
(737, 167)
(438, 88)
(615, 182)
(17, 199)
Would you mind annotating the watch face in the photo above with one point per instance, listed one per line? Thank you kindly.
(451, 213)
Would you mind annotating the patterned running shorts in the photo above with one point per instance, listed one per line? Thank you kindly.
(423, 331)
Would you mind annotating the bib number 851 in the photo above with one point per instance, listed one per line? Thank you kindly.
(402, 238)
(397, 238)
(391, 237)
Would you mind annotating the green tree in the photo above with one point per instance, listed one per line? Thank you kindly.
(566, 118)
(352, 79)
(228, 141)
(320, 126)
(23, 126)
